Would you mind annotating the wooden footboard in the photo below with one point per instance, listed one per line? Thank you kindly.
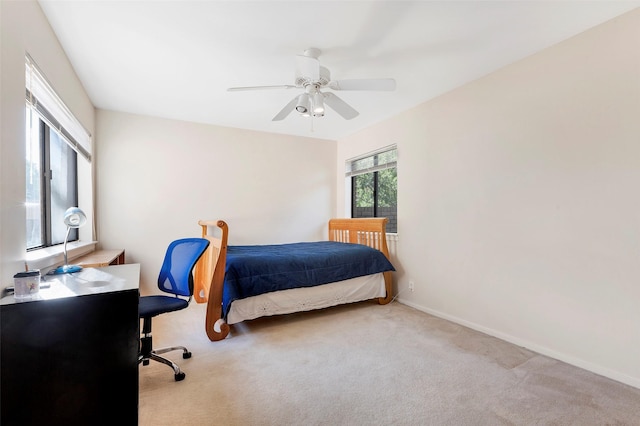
(210, 269)
(209, 279)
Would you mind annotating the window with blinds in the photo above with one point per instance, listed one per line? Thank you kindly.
(54, 138)
(374, 185)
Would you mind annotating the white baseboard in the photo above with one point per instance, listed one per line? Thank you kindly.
(577, 362)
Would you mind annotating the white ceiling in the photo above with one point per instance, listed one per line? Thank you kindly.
(176, 59)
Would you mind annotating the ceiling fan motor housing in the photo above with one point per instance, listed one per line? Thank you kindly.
(323, 80)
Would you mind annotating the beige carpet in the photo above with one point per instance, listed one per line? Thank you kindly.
(366, 364)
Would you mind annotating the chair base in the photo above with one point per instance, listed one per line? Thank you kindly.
(154, 355)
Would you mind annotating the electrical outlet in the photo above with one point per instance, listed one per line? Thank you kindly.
(411, 285)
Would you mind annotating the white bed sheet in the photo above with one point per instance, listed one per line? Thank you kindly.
(307, 298)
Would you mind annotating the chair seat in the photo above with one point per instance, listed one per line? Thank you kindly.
(150, 306)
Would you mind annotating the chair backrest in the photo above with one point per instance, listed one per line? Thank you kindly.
(176, 274)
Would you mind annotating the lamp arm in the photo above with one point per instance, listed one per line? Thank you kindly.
(65, 245)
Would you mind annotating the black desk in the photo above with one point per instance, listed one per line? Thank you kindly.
(71, 356)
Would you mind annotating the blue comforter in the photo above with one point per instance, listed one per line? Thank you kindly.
(254, 270)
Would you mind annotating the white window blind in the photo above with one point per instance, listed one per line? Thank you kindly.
(385, 158)
(43, 99)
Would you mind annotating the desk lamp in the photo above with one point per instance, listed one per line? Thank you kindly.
(73, 218)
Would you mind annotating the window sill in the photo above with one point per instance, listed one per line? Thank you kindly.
(49, 257)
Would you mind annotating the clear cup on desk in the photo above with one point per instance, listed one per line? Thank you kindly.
(26, 284)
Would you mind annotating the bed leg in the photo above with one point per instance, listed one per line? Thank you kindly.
(385, 300)
(217, 330)
(388, 284)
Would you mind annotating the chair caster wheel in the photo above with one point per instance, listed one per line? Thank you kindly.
(186, 355)
(145, 362)
(179, 377)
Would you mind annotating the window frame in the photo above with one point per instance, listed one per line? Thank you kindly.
(47, 183)
(353, 170)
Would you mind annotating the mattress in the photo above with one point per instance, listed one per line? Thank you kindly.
(255, 270)
(307, 298)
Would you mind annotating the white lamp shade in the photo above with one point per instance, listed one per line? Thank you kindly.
(303, 104)
(318, 104)
(74, 217)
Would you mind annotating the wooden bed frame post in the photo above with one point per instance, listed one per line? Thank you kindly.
(213, 265)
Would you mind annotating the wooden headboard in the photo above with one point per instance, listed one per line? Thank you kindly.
(370, 231)
(210, 269)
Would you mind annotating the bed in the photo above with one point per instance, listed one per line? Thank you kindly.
(241, 283)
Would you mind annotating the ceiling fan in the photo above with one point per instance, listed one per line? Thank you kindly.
(312, 77)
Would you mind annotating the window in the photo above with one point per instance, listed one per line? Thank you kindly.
(374, 186)
(52, 184)
(53, 140)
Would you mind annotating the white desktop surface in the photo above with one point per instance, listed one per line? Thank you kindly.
(87, 281)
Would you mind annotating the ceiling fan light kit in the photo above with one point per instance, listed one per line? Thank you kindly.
(312, 77)
(318, 103)
(303, 104)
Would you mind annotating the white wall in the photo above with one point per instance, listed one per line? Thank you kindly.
(156, 178)
(518, 211)
(518, 202)
(24, 29)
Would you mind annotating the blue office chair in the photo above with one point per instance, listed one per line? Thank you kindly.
(176, 278)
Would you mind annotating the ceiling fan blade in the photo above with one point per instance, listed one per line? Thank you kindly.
(340, 106)
(307, 67)
(286, 110)
(380, 84)
(238, 89)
